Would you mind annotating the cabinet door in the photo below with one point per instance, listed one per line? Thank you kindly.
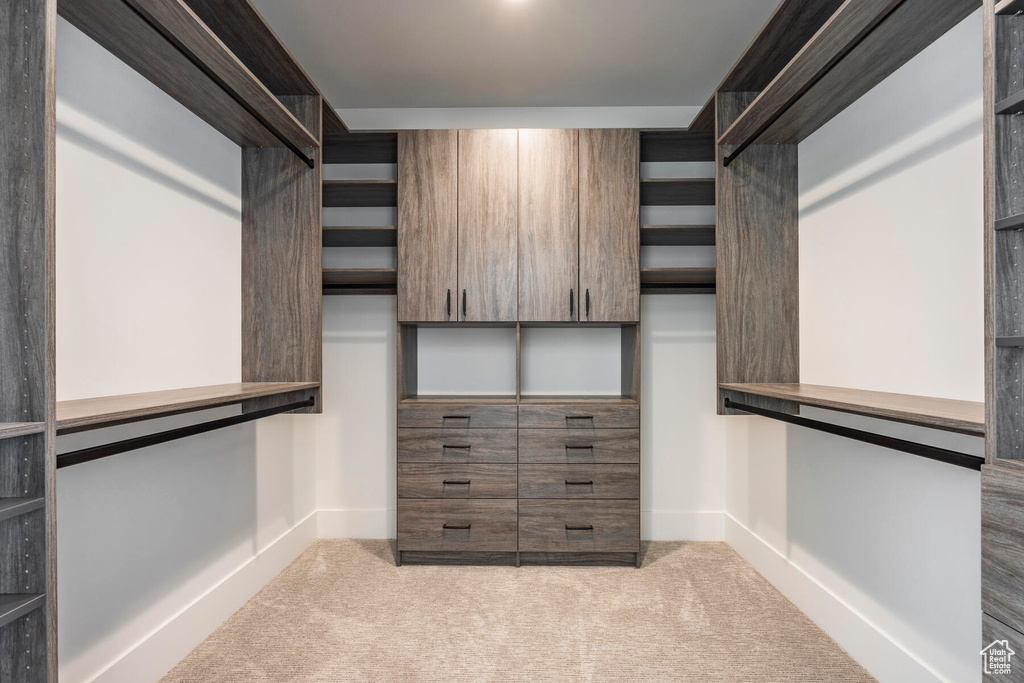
(488, 221)
(427, 225)
(549, 225)
(610, 225)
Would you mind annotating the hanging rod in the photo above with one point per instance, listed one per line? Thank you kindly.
(822, 72)
(108, 449)
(199, 64)
(971, 462)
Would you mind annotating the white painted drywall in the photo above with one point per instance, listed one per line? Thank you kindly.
(891, 300)
(148, 298)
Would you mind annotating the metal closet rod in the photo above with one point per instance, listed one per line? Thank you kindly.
(199, 64)
(108, 449)
(971, 462)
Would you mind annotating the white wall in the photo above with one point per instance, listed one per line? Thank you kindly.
(882, 548)
(157, 546)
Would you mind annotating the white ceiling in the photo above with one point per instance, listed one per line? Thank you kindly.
(516, 53)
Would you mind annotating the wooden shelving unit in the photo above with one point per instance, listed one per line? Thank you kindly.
(360, 193)
(360, 236)
(677, 192)
(677, 235)
(677, 280)
(355, 281)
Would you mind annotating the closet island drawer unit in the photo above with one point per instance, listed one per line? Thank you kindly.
(579, 446)
(457, 415)
(419, 480)
(456, 445)
(579, 481)
(593, 526)
(580, 415)
(460, 525)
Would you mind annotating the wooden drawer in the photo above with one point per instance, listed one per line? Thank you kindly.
(579, 526)
(579, 481)
(457, 525)
(579, 446)
(593, 415)
(457, 445)
(457, 415)
(416, 480)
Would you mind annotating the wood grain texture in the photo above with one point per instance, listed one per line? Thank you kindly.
(630, 370)
(9, 430)
(757, 268)
(457, 415)
(990, 219)
(610, 225)
(333, 126)
(23, 661)
(616, 526)
(94, 413)
(119, 27)
(364, 148)
(677, 235)
(993, 630)
(677, 276)
(579, 446)
(453, 446)
(488, 225)
(282, 334)
(704, 121)
(432, 480)
(1008, 381)
(549, 225)
(492, 525)
(967, 417)
(360, 193)
(1002, 545)
(428, 191)
(570, 481)
(677, 192)
(625, 415)
(459, 558)
(407, 342)
(676, 145)
(578, 559)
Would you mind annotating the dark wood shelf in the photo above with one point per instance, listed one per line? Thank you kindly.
(350, 193)
(677, 235)
(677, 280)
(676, 145)
(13, 607)
(1014, 104)
(1015, 222)
(1010, 342)
(9, 430)
(360, 236)
(677, 192)
(210, 80)
(359, 281)
(362, 148)
(860, 45)
(1009, 7)
(505, 399)
(967, 417)
(544, 399)
(106, 411)
(14, 507)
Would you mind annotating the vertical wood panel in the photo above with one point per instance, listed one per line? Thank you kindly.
(488, 225)
(610, 224)
(427, 225)
(1002, 544)
(988, 127)
(757, 259)
(282, 335)
(548, 225)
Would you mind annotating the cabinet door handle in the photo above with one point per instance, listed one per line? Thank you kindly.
(457, 526)
(588, 303)
(448, 304)
(581, 527)
(463, 304)
(572, 304)
(579, 483)
(456, 482)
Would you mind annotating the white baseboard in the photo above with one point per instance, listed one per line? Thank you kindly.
(356, 524)
(160, 650)
(884, 658)
(682, 525)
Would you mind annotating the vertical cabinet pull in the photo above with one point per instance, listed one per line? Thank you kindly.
(463, 304)
(572, 304)
(448, 304)
(588, 303)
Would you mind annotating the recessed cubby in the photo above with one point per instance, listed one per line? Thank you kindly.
(458, 361)
(570, 361)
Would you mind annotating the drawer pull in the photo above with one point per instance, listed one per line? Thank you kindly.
(455, 417)
(579, 483)
(578, 448)
(457, 526)
(579, 417)
(464, 447)
(456, 482)
(586, 527)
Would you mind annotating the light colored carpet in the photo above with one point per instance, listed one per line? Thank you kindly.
(343, 612)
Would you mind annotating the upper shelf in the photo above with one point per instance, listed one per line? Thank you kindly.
(677, 280)
(860, 45)
(676, 145)
(352, 281)
(1009, 6)
(677, 235)
(967, 417)
(165, 41)
(360, 236)
(362, 148)
(106, 411)
(677, 192)
(9, 430)
(360, 193)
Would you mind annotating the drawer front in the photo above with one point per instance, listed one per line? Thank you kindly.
(417, 480)
(579, 481)
(457, 525)
(579, 446)
(457, 416)
(457, 445)
(580, 416)
(579, 526)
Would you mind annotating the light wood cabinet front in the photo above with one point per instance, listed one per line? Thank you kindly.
(549, 225)
(488, 221)
(427, 225)
(610, 225)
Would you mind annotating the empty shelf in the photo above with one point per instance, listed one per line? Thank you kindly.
(1010, 342)
(676, 145)
(677, 192)
(360, 236)
(1009, 6)
(1015, 222)
(10, 430)
(13, 607)
(94, 413)
(677, 281)
(677, 235)
(362, 148)
(967, 417)
(1014, 104)
(360, 193)
(360, 281)
(12, 507)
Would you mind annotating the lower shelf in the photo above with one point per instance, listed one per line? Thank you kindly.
(677, 281)
(359, 281)
(14, 607)
(10, 430)
(12, 507)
